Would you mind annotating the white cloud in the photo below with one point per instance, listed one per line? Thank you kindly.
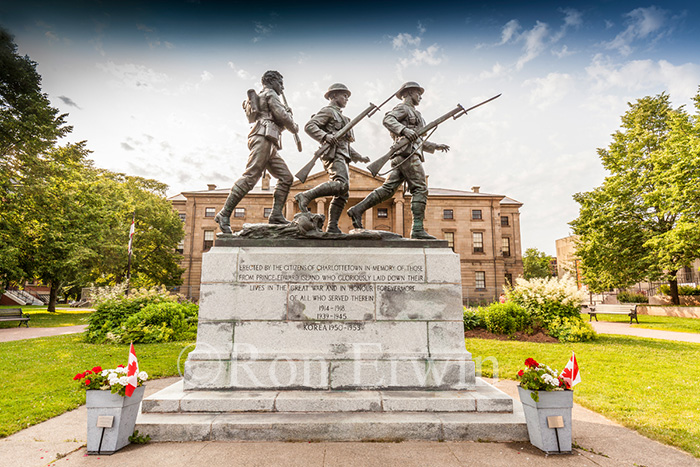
(206, 76)
(241, 73)
(563, 52)
(134, 76)
(419, 57)
(550, 89)
(534, 43)
(572, 19)
(262, 30)
(510, 30)
(645, 76)
(642, 23)
(404, 39)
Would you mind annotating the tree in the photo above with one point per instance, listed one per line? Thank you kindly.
(536, 264)
(642, 223)
(28, 127)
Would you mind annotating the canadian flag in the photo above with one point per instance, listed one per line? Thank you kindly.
(132, 231)
(570, 372)
(132, 371)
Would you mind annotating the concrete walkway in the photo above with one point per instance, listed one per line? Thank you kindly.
(19, 333)
(598, 442)
(605, 327)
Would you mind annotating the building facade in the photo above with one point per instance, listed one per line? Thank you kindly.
(484, 229)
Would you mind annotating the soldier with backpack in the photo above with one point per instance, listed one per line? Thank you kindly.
(271, 117)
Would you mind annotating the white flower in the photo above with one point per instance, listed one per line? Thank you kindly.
(143, 376)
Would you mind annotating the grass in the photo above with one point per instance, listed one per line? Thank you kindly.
(37, 374)
(662, 323)
(41, 318)
(648, 385)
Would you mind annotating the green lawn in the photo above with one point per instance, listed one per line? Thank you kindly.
(648, 385)
(37, 374)
(40, 318)
(662, 323)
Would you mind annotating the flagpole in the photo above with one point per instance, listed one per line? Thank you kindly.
(131, 238)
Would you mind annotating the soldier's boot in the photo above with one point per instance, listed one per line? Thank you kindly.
(333, 215)
(418, 232)
(223, 217)
(303, 199)
(276, 216)
(357, 210)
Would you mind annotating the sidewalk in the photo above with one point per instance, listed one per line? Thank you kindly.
(598, 442)
(19, 333)
(626, 329)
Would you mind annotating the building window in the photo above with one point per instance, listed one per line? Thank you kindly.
(183, 216)
(180, 247)
(509, 279)
(504, 221)
(478, 240)
(239, 212)
(480, 277)
(506, 246)
(382, 212)
(476, 214)
(208, 239)
(209, 212)
(448, 214)
(267, 212)
(450, 237)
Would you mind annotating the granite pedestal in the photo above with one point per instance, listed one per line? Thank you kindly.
(310, 339)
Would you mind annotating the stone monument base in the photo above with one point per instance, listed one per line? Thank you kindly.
(484, 414)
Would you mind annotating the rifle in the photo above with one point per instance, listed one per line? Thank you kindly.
(296, 135)
(325, 147)
(455, 113)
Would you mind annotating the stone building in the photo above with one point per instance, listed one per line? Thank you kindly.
(483, 228)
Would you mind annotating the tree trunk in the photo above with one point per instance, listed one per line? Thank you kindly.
(52, 298)
(673, 285)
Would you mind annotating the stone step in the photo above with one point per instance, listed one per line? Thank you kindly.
(173, 399)
(338, 426)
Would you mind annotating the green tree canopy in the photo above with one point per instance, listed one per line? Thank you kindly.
(536, 264)
(642, 223)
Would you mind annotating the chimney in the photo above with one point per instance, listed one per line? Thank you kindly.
(266, 182)
(211, 187)
(475, 189)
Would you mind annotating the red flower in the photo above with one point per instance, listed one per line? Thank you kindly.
(87, 372)
(87, 382)
(120, 366)
(521, 373)
(97, 369)
(531, 363)
(78, 376)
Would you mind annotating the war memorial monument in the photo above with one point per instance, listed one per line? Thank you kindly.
(313, 335)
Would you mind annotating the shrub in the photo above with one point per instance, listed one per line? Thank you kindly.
(472, 319)
(505, 318)
(547, 299)
(571, 329)
(113, 308)
(682, 290)
(161, 322)
(632, 297)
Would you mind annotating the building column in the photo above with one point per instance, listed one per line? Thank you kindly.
(398, 216)
(321, 206)
(369, 219)
(289, 214)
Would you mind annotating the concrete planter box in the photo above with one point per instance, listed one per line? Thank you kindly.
(123, 409)
(554, 403)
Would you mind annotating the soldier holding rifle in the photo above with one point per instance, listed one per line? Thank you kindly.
(323, 127)
(407, 164)
(271, 118)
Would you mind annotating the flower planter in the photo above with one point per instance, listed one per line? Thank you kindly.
(123, 409)
(554, 403)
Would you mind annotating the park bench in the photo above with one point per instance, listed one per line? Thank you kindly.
(629, 309)
(14, 314)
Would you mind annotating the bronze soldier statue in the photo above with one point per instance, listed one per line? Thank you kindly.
(407, 165)
(322, 127)
(271, 119)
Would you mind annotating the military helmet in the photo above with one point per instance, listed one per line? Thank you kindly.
(409, 85)
(334, 88)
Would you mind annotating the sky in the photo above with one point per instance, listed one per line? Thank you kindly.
(155, 88)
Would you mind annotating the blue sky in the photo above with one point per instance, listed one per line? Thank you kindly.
(155, 87)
